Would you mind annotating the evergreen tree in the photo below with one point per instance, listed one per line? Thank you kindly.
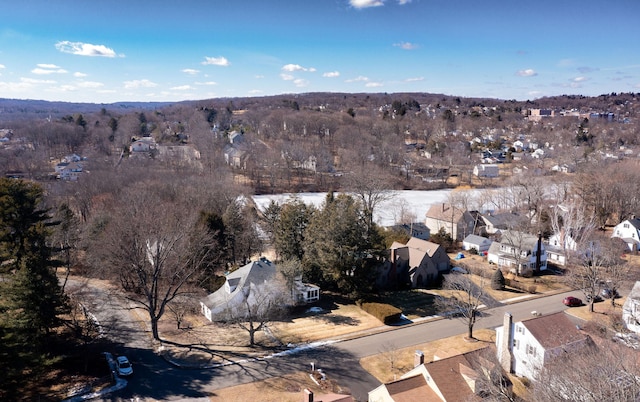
(497, 280)
(290, 229)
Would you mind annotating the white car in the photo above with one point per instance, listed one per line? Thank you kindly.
(124, 366)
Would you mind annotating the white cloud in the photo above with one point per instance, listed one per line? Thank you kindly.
(182, 88)
(287, 77)
(527, 73)
(296, 67)
(373, 84)
(580, 79)
(331, 74)
(414, 79)
(85, 49)
(216, 61)
(300, 83)
(207, 83)
(190, 71)
(35, 81)
(2, 66)
(139, 84)
(358, 79)
(366, 3)
(255, 92)
(403, 2)
(90, 84)
(46, 69)
(406, 45)
(79, 75)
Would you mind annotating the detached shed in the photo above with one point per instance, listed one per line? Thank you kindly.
(479, 243)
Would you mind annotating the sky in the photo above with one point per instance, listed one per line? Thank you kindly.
(105, 51)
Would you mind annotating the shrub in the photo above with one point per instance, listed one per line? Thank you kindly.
(473, 251)
(532, 289)
(384, 312)
(497, 280)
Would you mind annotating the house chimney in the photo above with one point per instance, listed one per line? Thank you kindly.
(506, 342)
(308, 395)
(418, 358)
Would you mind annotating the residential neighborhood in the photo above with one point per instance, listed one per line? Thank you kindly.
(462, 260)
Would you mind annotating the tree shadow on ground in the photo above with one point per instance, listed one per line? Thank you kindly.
(337, 319)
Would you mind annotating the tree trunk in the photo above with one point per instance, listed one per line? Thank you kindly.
(470, 331)
(154, 329)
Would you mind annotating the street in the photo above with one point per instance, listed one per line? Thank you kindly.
(155, 379)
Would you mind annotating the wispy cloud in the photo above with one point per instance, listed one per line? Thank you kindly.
(580, 79)
(2, 66)
(373, 3)
(216, 61)
(300, 83)
(78, 74)
(85, 49)
(296, 67)
(406, 45)
(46, 69)
(287, 77)
(139, 84)
(527, 73)
(190, 71)
(366, 3)
(373, 84)
(182, 88)
(35, 81)
(331, 74)
(90, 84)
(358, 79)
(585, 70)
(207, 83)
(414, 79)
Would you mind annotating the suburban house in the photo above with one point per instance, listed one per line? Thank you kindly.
(629, 232)
(475, 242)
(254, 277)
(485, 170)
(559, 245)
(415, 229)
(451, 379)
(415, 264)
(455, 221)
(494, 223)
(142, 145)
(68, 171)
(525, 347)
(518, 251)
(303, 293)
(235, 157)
(631, 309)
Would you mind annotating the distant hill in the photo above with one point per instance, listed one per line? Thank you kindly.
(21, 109)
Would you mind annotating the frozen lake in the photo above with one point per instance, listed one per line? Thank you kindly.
(387, 214)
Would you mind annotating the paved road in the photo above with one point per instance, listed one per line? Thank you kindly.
(155, 380)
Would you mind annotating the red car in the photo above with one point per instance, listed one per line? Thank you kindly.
(572, 301)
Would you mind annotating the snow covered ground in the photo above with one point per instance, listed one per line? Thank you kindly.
(387, 214)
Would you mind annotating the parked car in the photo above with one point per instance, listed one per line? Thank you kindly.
(608, 293)
(124, 366)
(572, 301)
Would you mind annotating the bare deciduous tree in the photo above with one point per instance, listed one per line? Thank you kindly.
(465, 302)
(157, 246)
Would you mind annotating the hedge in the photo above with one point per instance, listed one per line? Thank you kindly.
(386, 313)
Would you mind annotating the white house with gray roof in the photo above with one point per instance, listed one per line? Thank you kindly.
(629, 232)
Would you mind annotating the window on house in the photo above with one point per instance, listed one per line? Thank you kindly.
(531, 350)
(516, 344)
(625, 225)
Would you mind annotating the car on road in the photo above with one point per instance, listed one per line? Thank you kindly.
(123, 365)
(572, 301)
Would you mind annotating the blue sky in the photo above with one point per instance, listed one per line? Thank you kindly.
(107, 51)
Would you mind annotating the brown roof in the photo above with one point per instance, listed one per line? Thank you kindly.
(412, 389)
(423, 245)
(448, 376)
(554, 330)
(445, 212)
